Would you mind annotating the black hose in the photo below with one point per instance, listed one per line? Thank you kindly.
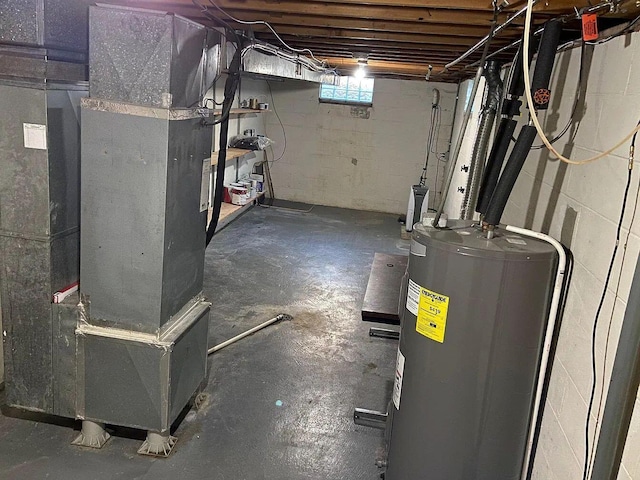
(494, 164)
(544, 64)
(510, 175)
(510, 107)
(230, 87)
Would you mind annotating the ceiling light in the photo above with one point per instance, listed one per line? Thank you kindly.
(361, 72)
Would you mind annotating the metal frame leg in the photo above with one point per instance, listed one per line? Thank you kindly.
(384, 333)
(370, 418)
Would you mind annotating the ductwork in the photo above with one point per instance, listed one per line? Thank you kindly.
(487, 119)
(266, 60)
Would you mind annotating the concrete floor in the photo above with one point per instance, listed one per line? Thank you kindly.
(280, 402)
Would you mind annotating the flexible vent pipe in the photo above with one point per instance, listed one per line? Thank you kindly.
(479, 155)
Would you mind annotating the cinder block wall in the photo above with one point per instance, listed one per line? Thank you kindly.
(581, 205)
(363, 158)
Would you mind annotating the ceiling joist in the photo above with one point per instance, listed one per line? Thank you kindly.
(401, 38)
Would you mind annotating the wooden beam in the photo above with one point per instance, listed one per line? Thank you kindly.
(350, 65)
(547, 6)
(277, 20)
(259, 7)
(347, 34)
(364, 45)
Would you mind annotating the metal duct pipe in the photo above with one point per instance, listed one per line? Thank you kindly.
(487, 119)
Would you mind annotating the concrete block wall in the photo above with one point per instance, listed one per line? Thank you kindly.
(360, 158)
(581, 205)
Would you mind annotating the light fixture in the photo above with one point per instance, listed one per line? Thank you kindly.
(361, 72)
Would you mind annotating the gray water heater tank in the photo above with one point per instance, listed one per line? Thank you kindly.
(470, 345)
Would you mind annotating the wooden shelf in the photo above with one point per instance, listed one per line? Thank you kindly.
(242, 111)
(229, 212)
(231, 154)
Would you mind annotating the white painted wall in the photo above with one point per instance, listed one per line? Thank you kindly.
(334, 157)
(547, 196)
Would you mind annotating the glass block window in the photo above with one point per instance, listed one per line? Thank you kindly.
(349, 90)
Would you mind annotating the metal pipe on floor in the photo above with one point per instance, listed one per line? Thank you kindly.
(226, 343)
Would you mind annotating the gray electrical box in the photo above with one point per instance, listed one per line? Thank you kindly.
(156, 59)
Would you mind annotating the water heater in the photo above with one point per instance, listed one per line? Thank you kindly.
(470, 345)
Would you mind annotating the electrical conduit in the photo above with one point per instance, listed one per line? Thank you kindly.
(478, 158)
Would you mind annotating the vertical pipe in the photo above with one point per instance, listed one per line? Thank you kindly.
(478, 158)
(623, 389)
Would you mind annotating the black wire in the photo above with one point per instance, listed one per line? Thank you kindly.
(592, 395)
(284, 133)
(430, 137)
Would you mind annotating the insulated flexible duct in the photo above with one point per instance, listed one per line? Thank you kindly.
(479, 155)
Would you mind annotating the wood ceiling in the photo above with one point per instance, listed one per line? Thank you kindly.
(400, 38)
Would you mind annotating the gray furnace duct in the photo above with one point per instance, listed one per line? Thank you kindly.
(127, 215)
(470, 345)
(146, 160)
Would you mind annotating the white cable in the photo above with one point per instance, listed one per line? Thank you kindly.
(245, 334)
(534, 117)
(548, 338)
(262, 22)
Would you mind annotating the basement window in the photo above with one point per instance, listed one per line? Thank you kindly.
(348, 91)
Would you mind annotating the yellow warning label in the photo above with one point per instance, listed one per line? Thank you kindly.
(432, 315)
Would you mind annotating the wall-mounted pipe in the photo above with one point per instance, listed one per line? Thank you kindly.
(544, 65)
(465, 121)
(510, 108)
(510, 175)
(479, 155)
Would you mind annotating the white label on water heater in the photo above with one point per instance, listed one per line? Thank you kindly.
(204, 187)
(35, 136)
(397, 384)
(515, 241)
(413, 297)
